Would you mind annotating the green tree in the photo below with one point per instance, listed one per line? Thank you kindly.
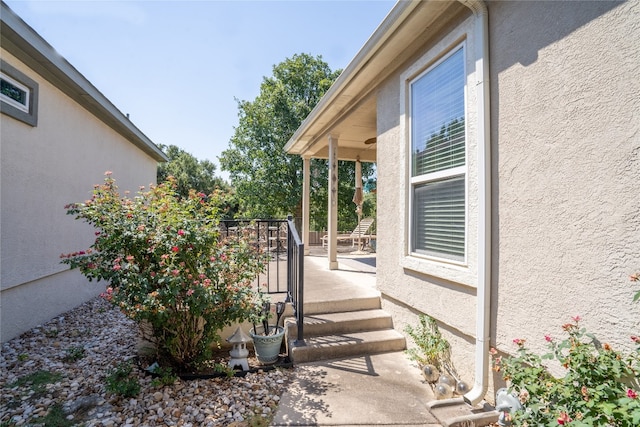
(347, 215)
(189, 172)
(268, 181)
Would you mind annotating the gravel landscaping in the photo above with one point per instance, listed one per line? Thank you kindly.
(56, 375)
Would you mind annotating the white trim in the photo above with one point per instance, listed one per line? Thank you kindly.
(22, 107)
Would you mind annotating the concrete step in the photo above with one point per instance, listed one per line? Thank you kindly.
(340, 323)
(327, 347)
(338, 305)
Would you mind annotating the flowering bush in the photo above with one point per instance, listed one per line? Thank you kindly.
(168, 267)
(599, 388)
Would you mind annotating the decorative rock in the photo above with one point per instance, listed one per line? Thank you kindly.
(113, 338)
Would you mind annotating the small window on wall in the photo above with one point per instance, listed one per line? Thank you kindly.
(18, 95)
(438, 164)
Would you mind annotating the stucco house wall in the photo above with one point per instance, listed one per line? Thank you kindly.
(565, 178)
(43, 168)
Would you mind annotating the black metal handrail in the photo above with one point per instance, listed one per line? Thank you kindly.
(295, 276)
(270, 236)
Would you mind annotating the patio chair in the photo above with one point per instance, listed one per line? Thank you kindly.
(360, 231)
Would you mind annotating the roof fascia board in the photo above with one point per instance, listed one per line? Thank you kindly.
(24, 43)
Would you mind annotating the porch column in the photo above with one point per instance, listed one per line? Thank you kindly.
(333, 203)
(306, 184)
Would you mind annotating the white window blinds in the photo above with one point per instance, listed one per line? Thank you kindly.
(438, 147)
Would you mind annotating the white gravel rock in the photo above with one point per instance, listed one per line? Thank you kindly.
(78, 388)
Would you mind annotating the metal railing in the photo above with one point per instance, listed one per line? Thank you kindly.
(295, 276)
(280, 239)
(271, 236)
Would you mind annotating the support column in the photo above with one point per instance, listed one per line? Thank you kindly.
(306, 184)
(333, 203)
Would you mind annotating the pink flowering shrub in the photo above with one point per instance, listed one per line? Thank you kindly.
(599, 387)
(168, 267)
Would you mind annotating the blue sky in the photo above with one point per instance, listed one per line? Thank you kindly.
(177, 66)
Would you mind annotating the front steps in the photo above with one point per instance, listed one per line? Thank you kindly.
(343, 328)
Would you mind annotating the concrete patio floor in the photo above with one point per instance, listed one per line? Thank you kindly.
(382, 389)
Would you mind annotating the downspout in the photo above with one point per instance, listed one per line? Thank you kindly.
(483, 298)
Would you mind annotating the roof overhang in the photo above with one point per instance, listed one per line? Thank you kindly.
(24, 43)
(347, 111)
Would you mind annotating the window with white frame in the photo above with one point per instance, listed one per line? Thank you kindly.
(438, 163)
(14, 93)
(18, 94)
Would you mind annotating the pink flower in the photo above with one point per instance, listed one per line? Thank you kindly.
(175, 272)
(180, 232)
(635, 277)
(117, 267)
(635, 339)
(108, 173)
(548, 338)
(175, 249)
(190, 292)
(519, 342)
(631, 394)
(576, 318)
(563, 418)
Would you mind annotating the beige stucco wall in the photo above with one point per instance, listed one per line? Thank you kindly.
(567, 132)
(44, 168)
(565, 181)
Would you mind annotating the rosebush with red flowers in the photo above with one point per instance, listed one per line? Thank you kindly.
(168, 267)
(599, 388)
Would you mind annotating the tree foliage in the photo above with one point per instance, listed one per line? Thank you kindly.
(268, 181)
(189, 172)
(347, 215)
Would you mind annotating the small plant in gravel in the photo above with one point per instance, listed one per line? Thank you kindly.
(57, 418)
(599, 387)
(256, 419)
(432, 348)
(223, 368)
(22, 357)
(164, 376)
(168, 267)
(37, 380)
(122, 381)
(75, 353)
(51, 333)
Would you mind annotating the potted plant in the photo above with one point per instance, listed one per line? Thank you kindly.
(267, 339)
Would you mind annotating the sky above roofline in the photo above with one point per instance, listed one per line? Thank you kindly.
(179, 67)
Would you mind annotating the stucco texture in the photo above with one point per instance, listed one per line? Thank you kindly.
(44, 168)
(566, 146)
(565, 137)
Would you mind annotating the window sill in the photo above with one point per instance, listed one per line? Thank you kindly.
(450, 271)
